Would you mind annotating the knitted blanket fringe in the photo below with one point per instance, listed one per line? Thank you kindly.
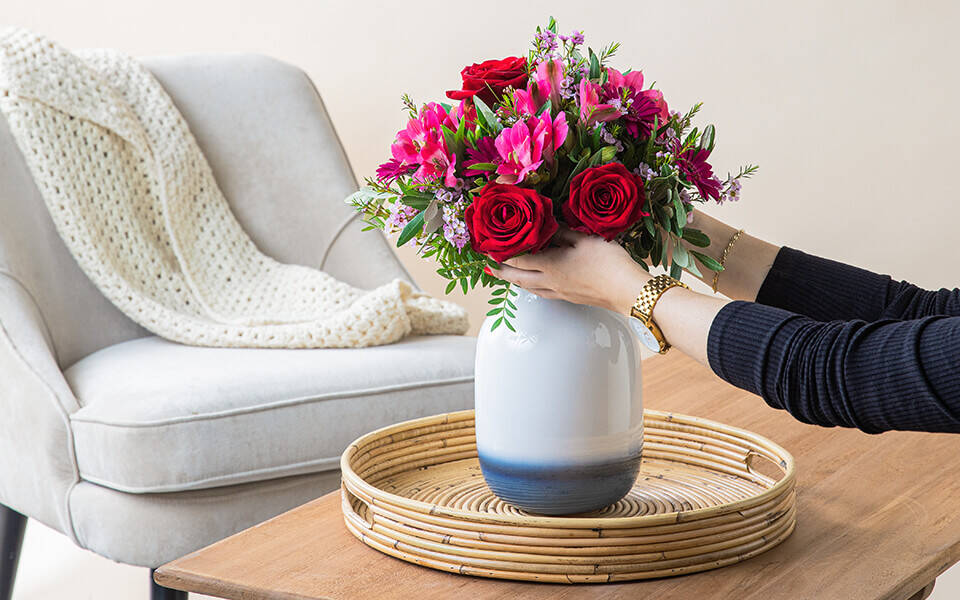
(136, 203)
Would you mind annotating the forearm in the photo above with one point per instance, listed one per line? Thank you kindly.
(746, 265)
(683, 316)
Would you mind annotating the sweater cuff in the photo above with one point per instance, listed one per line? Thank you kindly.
(822, 289)
(740, 338)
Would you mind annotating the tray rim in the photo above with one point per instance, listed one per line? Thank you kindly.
(375, 494)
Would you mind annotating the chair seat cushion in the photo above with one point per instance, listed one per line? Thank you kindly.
(157, 416)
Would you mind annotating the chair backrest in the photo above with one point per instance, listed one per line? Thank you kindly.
(275, 154)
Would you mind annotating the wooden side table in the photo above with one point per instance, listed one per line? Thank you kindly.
(877, 519)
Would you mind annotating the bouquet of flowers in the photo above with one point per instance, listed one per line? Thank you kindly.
(532, 143)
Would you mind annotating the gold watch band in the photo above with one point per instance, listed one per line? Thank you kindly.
(649, 295)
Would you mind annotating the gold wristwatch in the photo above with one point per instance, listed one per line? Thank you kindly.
(642, 312)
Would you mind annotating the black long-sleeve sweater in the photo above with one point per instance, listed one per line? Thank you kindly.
(836, 345)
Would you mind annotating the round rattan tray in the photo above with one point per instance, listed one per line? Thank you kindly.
(708, 495)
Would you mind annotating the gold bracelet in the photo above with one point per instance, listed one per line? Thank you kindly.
(723, 257)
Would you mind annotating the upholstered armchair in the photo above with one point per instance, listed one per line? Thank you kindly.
(143, 450)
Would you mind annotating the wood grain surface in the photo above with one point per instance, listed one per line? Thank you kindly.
(878, 517)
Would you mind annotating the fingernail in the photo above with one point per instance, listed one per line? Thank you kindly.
(488, 271)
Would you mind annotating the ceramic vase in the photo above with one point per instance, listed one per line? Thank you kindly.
(559, 412)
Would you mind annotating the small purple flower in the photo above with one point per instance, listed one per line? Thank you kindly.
(644, 170)
(454, 227)
(400, 215)
(576, 38)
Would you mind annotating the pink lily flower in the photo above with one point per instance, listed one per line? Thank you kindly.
(421, 144)
(592, 110)
(528, 145)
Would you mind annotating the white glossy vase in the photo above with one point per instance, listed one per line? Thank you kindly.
(559, 413)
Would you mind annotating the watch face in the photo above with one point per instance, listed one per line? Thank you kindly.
(646, 336)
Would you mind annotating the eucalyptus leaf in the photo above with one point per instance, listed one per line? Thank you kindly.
(675, 271)
(706, 140)
(696, 237)
(708, 262)
(367, 195)
(411, 230)
(680, 255)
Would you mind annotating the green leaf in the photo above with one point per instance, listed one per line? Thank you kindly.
(496, 301)
(453, 144)
(649, 224)
(706, 140)
(499, 291)
(483, 167)
(675, 271)
(450, 287)
(416, 202)
(594, 65)
(708, 262)
(656, 251)
(367, 195)
(494, 311)
(486, 116)
(411, 230)
(496, 324)
(680, 256)
(509, 326)
(546, 107)
(696, 237)
(463, 284)
(692, 268)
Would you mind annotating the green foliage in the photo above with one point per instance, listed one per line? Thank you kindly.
(503, 306)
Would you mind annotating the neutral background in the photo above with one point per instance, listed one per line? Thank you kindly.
(848, 107)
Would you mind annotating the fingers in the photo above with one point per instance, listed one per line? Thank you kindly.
(524, 278)
(528, 262)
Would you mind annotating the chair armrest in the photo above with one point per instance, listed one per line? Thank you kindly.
(36, 442)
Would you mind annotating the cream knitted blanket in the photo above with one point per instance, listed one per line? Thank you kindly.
(136, 203)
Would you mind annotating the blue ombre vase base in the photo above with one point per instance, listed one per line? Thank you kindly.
(562, 489)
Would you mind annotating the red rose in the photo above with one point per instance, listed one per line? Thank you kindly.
(605, 201)
(506, 220)
(488, 79)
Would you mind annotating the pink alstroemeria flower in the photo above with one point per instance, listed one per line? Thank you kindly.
(421, 143)
(639, 107)
(528, 145)
(545, 86)
(592, 109)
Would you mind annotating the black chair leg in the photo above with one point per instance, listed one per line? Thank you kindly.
(12, 527)
(158, 592)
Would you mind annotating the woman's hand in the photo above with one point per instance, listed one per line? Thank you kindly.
(583, 269)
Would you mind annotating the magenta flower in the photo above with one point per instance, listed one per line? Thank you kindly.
(639, 107)
(421, 144)
(694, 166)
(528, 145)
(392, 170)
(485, 152)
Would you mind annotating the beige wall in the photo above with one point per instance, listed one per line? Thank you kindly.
(847, 106)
